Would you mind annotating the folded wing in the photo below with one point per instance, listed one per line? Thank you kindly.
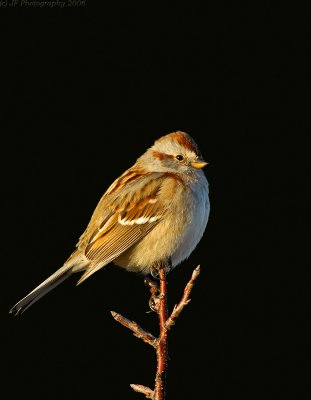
(133, 215)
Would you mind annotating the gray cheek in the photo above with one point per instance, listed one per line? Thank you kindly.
(170, 164)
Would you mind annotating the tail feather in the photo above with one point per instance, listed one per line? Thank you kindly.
(50, 283)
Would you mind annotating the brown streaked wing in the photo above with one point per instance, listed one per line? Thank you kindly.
(119, 239)
(125, 227)
(105, 209)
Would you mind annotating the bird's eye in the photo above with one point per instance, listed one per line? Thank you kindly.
(179, 157)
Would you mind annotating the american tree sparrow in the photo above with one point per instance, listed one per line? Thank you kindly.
(152, 215)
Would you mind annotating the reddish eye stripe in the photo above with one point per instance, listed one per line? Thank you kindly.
(161, 156)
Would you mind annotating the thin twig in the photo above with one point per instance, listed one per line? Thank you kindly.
(159, 305)
(143, 389)
(159, 389)
(138, 331)
(184, 300)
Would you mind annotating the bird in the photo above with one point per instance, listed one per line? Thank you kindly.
(154, 214)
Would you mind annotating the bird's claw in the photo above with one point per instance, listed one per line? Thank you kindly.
(155, 290)
(151, 283)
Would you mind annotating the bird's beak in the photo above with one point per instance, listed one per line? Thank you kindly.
(199, 164)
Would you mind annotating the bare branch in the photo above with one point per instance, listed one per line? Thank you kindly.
(137, 330)
(143, 389)
(160, 380)
(184, 300)
(158, 303)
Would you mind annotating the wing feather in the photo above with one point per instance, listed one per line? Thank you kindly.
(131, 220)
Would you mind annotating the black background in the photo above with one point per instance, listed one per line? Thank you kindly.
(86, 90)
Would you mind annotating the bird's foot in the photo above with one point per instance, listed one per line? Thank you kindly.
(155, 290)
(167, 266)
(151, 283)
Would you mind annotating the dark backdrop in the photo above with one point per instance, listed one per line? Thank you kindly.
(86, 90)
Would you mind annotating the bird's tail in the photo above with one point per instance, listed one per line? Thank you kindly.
(50, 283)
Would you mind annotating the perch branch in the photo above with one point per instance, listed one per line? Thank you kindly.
(184, 300)
(136, 329)
(158, 303)
(162, 349)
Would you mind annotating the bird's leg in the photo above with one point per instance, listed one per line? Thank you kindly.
(167, 265)
(155, 272)
(153, 284)
(154, 290)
